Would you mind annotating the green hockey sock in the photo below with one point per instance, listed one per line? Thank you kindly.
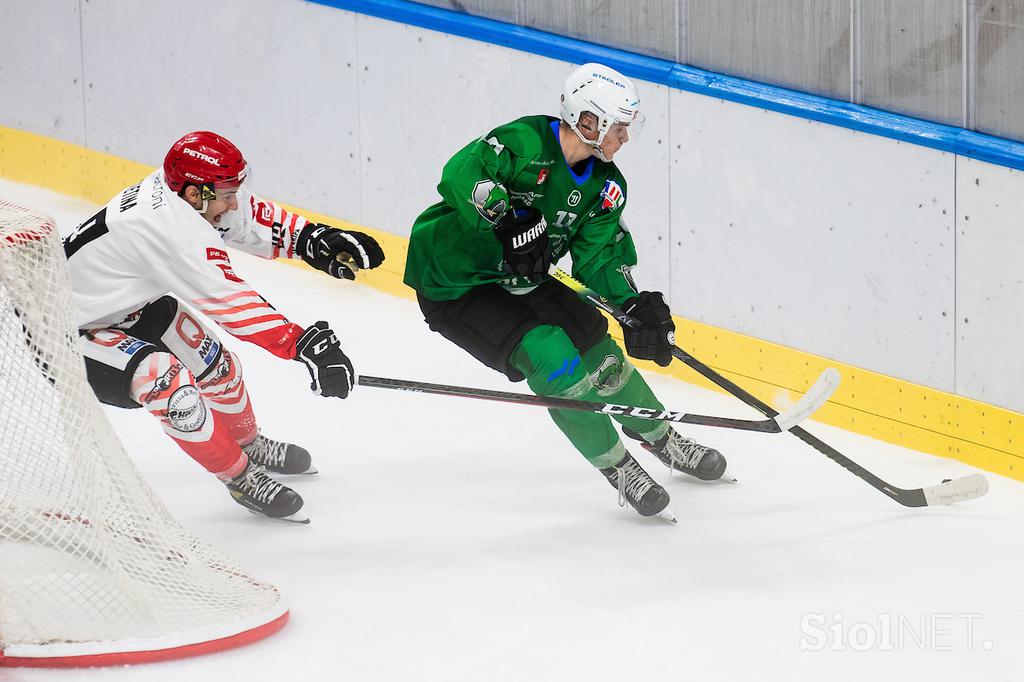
(553, 367)
(615, 380)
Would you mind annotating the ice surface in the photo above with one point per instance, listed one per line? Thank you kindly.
(454, 539)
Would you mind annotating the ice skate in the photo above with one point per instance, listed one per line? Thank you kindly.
(637, 487)
(687, 455)
(279, 457)
(260, 494)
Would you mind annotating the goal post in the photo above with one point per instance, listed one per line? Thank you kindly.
(93, 568)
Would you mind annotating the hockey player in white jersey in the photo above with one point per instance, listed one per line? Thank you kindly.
(158, 247)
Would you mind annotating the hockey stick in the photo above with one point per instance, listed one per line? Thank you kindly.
(949, 491)
(817, 396)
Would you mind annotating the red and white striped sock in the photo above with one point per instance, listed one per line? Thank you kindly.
(167, 389)
(224, 391)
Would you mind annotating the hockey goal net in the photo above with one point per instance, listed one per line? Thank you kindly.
(93, 569)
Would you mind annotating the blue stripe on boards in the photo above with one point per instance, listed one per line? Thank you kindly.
(947, 138)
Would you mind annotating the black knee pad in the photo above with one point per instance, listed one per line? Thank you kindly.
(160, 322)
(112, 385)
(488, 323)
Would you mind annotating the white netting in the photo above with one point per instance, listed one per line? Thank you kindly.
(90, 560)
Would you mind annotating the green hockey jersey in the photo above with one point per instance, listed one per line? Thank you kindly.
(452, 247)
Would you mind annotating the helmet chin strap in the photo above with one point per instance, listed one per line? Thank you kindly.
(594, 145)
(206, 193)
(201, 209)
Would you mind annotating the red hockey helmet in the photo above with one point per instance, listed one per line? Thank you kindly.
(206, 160)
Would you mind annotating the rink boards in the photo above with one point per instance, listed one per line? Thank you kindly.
(779, 240)
(871, 403)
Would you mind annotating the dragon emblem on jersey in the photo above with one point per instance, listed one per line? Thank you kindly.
(611, 196)
(490, 200)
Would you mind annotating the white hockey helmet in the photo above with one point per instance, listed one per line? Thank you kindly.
(605, 93)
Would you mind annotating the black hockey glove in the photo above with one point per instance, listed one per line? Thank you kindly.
(330, 370)
(321, 245)
(523, 234)
(656, 335)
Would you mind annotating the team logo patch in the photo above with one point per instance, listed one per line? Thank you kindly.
(216, 254)
(612, 196)
(574, 197)
(489, 199)
(608, 376)
(542, 176)
(185, 409)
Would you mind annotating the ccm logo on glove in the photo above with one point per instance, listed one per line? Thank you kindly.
(321, 347)
(330, 370)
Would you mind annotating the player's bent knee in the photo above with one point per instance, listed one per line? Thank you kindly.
(224, 376)
(156, 379)
(111, 360)
(165, 387)
(551, 363)
(608, 367)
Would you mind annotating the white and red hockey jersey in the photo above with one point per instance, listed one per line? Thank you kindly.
(148, 242)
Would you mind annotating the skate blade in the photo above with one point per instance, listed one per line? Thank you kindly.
(308, 472)
(297, 517)
(728, 477)
(667, 515)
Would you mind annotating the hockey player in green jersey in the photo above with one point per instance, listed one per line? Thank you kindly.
(514, 201)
